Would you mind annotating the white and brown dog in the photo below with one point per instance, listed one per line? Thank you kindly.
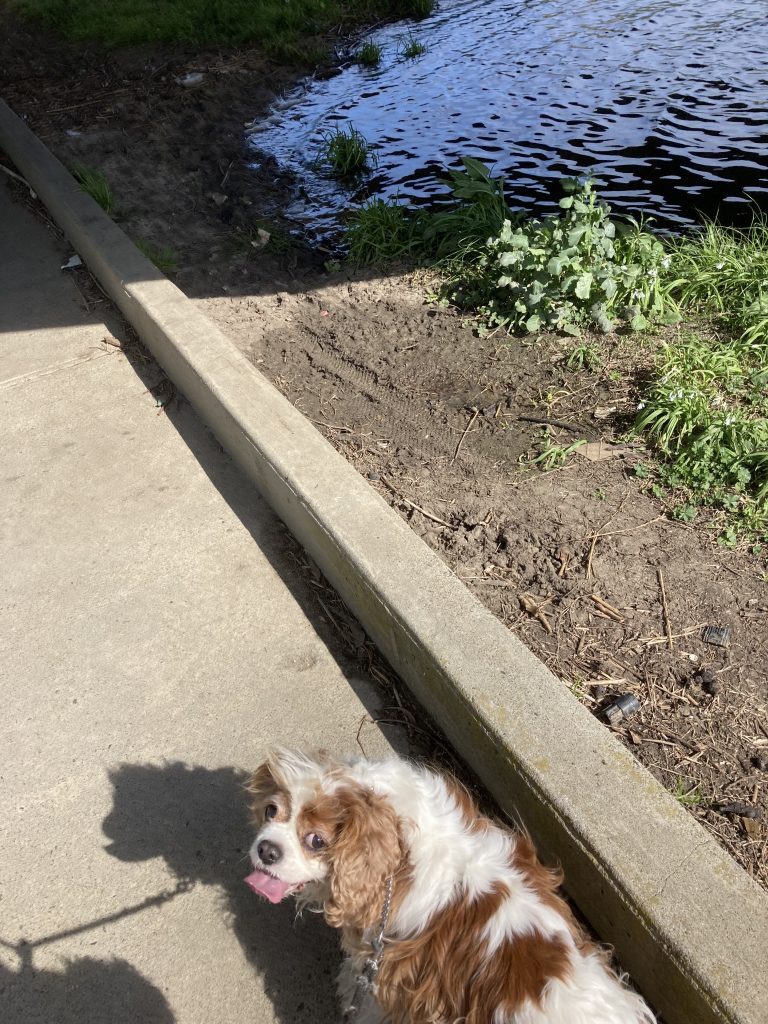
(445, 916)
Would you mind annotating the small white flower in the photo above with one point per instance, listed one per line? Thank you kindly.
(717, 402)
(719, 266)
(666, 262)
(729, 421)
(640, 405)
(677, 393)
(637, 294)
(652, 274)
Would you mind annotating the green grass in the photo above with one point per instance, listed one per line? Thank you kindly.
(345, 153)
(411, 47)
(270, 23)
(688, 797)
(164, 258)
(369, 54)
(706, 414)
(724, 272)
(96, 185)
(382, 232)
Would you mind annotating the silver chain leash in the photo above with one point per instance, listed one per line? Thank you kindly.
(367, 976)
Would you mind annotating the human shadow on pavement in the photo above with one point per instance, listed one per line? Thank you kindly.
(84, 991)
(196, 819)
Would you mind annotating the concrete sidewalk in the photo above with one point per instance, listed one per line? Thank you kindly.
(155, 636)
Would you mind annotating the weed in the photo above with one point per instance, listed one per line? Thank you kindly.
(346, 153)
(369, 54)
(382, 231)
(724, 271)
(164, 259)
(688, 798)
(583, 357)
(477, 208)
(549, 455)
(411, 47)
(96, 185)
(707, 413)
(577, 269)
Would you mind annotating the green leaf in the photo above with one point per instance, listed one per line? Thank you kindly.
(638, 322)
(609, 287)
(583, 286)
(566, 203)
(533, 323)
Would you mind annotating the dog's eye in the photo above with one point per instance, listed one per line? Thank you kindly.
(314, 841)
(270, 811)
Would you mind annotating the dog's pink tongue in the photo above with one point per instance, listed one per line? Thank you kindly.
(267, 885)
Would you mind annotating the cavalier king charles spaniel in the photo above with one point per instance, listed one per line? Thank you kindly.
(445, 916)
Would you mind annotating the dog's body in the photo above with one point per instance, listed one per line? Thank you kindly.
(475, 933)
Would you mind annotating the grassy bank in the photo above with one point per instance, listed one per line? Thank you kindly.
(264, 22)
(701, 302)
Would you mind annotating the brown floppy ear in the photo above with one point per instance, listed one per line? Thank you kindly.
(261, 786)
(366, 851)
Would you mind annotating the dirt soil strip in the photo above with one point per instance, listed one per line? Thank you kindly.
(626, 845)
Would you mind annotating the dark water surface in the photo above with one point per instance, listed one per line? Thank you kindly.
(665, 101)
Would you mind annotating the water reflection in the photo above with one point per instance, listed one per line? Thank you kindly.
(665, 101)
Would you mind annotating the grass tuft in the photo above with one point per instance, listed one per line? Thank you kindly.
(95, 184)
(724, 271)
(369, 54)
(165, 259)
(346, 153)
(706, 413)
(411, 47)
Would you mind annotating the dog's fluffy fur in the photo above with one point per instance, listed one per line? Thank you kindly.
(477, 932)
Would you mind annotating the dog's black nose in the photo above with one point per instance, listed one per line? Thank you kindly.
(268, 852)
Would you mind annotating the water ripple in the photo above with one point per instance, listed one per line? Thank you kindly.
(665, 101)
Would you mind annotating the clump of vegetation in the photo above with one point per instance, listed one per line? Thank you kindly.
(346, 153)
(416, 9)
(707, 414)
(382, 231)
(273, 23)
(164, 258)
(575, 270)
(369, 54)
(96, 185)
(724, 271)
(411, 47)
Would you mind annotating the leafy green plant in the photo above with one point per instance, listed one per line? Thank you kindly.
(578, 269)
(549, 455)
(707, 414)
(724, 271)
(583, 357)
(476, 209)
(95, 184)
(688, 797)
(411, 47)
(369, 54)
(346, 153)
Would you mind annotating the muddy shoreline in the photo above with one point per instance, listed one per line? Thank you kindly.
(584, 565)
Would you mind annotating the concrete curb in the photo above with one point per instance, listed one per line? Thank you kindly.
(687, 922)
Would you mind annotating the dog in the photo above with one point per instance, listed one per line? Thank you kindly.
(445, 916)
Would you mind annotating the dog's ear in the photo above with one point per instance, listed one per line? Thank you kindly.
(261, 787)
(366, 851)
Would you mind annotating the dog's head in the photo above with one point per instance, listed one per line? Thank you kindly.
(323, 835)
